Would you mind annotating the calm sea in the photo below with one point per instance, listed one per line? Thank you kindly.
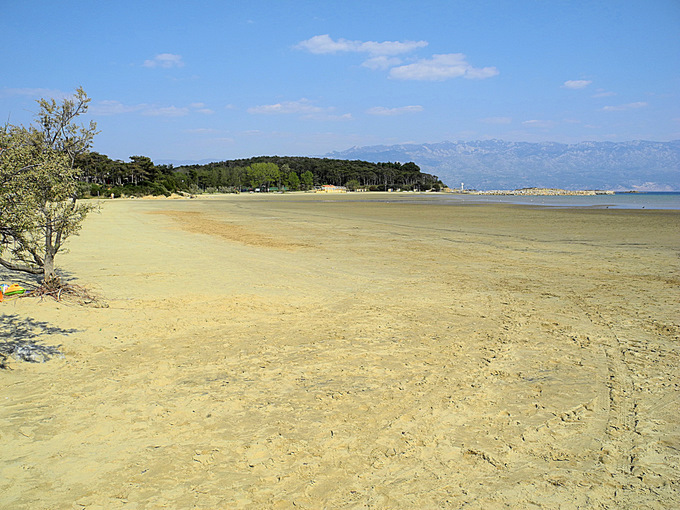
(646, 200)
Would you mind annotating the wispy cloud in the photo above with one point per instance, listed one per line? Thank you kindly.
(331, 116)
(166, 111)
(110, 107)
(576, 84)
(440, 68)
(381, 110)
(537, 123)
(623, 107)
(201, 131)
(323, 44)
(381, 62)
(304, 107)
(165, 60)
(201, 108)
(386, 55)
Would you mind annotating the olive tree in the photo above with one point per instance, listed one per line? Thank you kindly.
(39, 209)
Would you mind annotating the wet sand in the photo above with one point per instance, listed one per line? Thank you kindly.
(303, 351)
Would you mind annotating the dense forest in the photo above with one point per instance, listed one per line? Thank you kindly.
(102, 176)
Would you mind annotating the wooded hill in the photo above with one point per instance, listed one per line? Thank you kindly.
(339, 172)
(102, 176)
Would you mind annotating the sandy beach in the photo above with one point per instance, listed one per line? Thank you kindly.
(307, 351)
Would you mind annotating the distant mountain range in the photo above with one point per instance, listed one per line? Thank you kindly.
(495, 164)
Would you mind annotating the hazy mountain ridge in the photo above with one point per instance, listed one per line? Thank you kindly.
(495, 164)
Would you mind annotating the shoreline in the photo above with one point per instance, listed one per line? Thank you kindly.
(569, 199)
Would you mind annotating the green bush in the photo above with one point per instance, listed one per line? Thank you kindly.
(96, 190)
(156, 189)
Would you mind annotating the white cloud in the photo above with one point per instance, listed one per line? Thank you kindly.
(201, 108)
(201, 131)
(440, 68)
(166, 111)
(391, 47)
(481, 73)
(538, 123)
(381, 110)
(576, 84)
(382, 62)
(382, 56)
(109, 107)
(330, 116)
(623, 107)
(323, 44)
(165, 60)
(303, 106)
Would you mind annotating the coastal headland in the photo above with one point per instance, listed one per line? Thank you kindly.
(315, 351)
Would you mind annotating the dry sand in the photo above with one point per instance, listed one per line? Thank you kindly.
(314, 352)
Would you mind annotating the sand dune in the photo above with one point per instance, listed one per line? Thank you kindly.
(303, 352)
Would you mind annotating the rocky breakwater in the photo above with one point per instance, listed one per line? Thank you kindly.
(542, 192)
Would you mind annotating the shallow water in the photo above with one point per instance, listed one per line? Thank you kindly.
(650, 200)
(647, 200)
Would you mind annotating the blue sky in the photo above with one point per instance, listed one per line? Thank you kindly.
(227, 79)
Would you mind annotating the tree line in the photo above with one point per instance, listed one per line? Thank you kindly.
(298, 172)
(102, 176)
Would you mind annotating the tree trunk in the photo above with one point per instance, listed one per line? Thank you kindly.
(48, 267)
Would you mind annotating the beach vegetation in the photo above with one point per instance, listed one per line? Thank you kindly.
(353, 185)
(39, 185)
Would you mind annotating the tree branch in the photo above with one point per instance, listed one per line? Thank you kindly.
(16, 267)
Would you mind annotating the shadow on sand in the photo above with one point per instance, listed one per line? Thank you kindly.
(31, 281)
(17, 339)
